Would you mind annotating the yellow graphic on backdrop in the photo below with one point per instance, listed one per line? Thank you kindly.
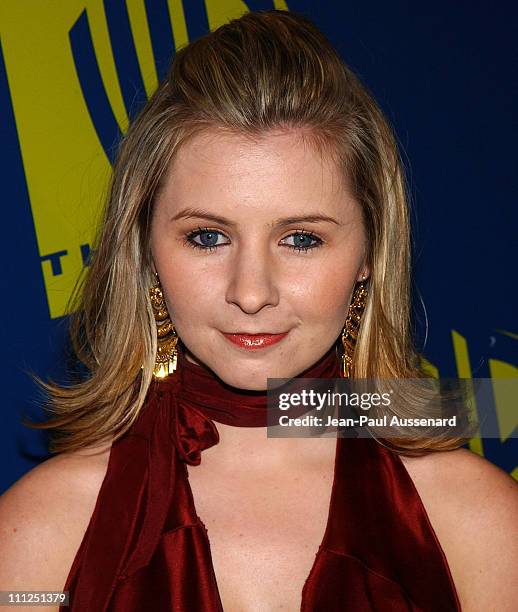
(66, 168)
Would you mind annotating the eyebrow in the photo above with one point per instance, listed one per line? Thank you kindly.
(189, 213)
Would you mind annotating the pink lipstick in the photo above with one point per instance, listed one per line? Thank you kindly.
(255, 341)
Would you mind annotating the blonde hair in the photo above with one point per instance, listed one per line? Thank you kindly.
(264, 71)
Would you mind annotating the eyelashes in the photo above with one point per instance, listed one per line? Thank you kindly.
(302, 237)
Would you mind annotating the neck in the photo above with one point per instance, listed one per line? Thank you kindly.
(256, 450)
(201, 388)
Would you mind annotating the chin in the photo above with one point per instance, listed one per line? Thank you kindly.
(245, 383)
(247, 378)
(244, 386)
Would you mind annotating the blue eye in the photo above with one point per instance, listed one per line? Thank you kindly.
(303, 241)
(208, 239)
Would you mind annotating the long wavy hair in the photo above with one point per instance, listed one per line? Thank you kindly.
(264, 71)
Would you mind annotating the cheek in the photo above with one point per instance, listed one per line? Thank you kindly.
(187, 288)
(324, 292)
(190, 297)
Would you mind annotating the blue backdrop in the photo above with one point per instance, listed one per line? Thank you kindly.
(74, 73)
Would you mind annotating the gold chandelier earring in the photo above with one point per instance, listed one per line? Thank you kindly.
(352, 327)
(167, 355)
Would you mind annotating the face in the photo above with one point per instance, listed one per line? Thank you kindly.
(256, 237)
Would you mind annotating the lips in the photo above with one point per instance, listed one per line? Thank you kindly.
(255, 341)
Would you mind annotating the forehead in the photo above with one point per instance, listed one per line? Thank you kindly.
(278, 169)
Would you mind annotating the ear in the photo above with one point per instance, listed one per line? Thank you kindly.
(363, 274)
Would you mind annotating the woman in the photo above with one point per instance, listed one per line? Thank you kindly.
(257, 210)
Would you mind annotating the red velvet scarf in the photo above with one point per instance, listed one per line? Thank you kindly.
(199, 398)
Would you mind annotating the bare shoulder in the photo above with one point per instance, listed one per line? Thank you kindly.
(472, 505)
(43, 518)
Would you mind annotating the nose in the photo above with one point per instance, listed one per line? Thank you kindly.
(252, 283)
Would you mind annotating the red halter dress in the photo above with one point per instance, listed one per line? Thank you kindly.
(146, 548)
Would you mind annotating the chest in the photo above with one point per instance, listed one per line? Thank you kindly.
(264, 533)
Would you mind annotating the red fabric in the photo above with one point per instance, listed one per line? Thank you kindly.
(146, 548)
